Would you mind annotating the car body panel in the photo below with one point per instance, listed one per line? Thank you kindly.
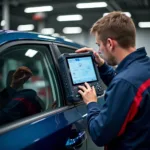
(41, 132)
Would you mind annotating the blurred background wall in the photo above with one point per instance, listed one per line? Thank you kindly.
(142, 39)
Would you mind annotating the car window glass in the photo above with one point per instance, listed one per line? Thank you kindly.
(28, 82)
(66, 49)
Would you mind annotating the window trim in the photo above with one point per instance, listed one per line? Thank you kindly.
(31, 119)
(56, 47)
(67, 46)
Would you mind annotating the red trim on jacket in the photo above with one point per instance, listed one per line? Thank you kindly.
(30, 107)
(135, 105)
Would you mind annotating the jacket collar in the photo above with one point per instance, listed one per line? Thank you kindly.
(140, 52)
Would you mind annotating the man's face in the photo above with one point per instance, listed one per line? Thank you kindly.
(105, 50)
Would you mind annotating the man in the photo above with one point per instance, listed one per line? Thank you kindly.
(14, 103)
(123, 123)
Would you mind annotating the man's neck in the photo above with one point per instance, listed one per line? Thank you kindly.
(122, 53)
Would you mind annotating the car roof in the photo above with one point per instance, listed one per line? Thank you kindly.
(9, 36)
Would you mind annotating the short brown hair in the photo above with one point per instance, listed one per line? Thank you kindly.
(118, 26)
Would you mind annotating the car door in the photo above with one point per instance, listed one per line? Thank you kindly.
(59, 125)
(81, 108)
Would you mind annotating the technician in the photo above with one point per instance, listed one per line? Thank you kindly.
(123, 122)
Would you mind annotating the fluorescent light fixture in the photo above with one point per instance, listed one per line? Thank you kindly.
(91, 5)
(38, 9)
(27, 27)
(69, 18)
(126, 13)
(47, 31)
(144, 24)
(31, 53)
(3, 23)
(72, 30)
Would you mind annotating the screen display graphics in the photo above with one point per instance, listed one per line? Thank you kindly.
(82, 70)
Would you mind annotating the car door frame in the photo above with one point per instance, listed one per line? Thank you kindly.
(56, 55)
(30, 119)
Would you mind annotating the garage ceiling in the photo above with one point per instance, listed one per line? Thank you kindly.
(139, 9)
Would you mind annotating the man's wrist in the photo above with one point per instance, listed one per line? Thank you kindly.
(90, 102)
(101, 64)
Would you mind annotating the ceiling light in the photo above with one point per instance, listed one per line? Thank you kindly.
(47, 31)
(69, 17)
(126, 13)
(91, 5)
(144, 24)
(31, 53)
(38, 9)
(3, 23)
(72, 30)
(27, 27)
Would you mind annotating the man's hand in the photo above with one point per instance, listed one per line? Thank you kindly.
(21, 75)
(88, 93)
(98, 59)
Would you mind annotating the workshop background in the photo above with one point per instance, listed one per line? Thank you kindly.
(55, 17)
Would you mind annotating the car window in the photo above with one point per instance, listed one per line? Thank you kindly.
(66, 49)
(28, 82)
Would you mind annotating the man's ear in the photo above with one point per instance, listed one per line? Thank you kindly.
(110, 44)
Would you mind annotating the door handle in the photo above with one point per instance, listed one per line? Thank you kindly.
(73, 143)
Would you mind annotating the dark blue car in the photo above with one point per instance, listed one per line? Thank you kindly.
(61, 125)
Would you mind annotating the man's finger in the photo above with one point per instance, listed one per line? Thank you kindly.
(80, 92)
(93, 88)
(82, 88)
(85, 49)
(87, 85)
(96, 54)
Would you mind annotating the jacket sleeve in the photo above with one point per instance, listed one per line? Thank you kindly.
(107, 73)
(104, 124)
